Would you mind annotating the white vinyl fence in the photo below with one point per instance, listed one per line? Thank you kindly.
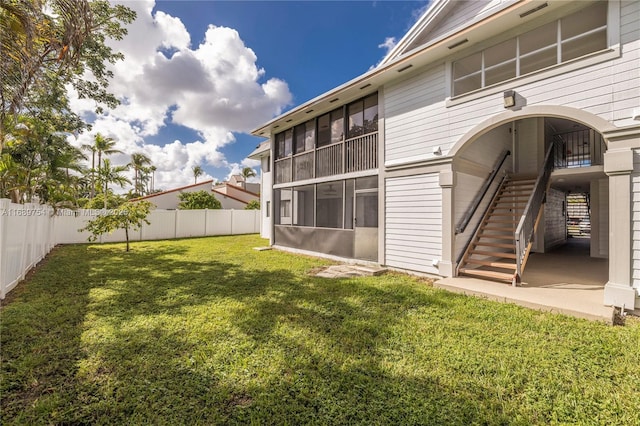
(28, 232)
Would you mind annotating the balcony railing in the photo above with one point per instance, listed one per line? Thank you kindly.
(580, 148)
(303, 166)
(362, 153)
(353, 155)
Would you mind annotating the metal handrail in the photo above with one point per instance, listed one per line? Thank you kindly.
(524, 232)
(464, 222)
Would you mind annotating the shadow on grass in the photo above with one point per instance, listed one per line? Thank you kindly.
(187, 333)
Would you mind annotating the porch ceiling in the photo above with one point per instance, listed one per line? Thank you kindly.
(576, 179)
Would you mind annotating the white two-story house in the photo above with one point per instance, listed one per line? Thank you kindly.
(456, 154)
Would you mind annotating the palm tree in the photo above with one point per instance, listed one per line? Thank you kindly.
(111, 174)
(248, 172)
(197, 172)
(153, 178)
(101, 145)
(138, 161)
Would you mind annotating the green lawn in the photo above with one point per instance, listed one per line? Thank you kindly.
(210, 331)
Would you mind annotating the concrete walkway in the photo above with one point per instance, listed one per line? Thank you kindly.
(565, 281)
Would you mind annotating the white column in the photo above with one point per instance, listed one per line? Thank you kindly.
(447, 265)
(618, 165)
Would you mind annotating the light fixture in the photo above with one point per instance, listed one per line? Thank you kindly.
(509, 98)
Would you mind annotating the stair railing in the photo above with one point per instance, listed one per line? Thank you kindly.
(478, 200)
(527, 225)
(462, 225)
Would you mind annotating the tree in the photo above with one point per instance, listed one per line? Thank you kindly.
(130, 215)
(198, 200)
(197, 172)
(252, 205)
(248, 172)
(49, 45)
(138, 162)
(109, 174)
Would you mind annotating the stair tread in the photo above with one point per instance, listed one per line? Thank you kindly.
(489, 274)
(496, 237)
(492, 244)
(493, 264)
(496, 228)
(499, 254)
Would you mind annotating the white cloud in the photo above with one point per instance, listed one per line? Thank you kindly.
(215, 88)
(388, 44)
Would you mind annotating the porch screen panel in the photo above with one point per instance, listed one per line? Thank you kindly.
(329, 205)
(413, 222)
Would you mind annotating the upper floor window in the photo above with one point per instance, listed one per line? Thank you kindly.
(363, 116)
(571, 37)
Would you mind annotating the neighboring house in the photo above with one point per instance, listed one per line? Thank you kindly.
(397, 165)
(239, 180)
(263, 154)
(231, 197)
(169, 200)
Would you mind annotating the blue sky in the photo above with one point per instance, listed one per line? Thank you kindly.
(199, 75)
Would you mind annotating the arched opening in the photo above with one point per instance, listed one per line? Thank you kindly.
(569, 244)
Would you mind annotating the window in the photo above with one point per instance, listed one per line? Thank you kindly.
(288, 142)
(559, 41)
(329, 212)
(282, 200)
(324, 132)
(285, 208)
(337, 126)
(280, 145)
(363, 116)
(267, 208)
(303, 205)
(299, 130)
(356, 119)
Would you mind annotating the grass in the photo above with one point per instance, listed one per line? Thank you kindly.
(209, 331)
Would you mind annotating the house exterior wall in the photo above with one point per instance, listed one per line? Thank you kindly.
(413, 218)
(419, 116)
(266, 223)
(169, 200)
(635, 217)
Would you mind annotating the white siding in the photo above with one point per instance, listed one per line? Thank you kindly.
(635, 219)
(461, 13)
(415, 119)
(418, 119)
(413, 221)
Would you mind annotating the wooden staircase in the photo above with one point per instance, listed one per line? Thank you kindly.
(492, 252)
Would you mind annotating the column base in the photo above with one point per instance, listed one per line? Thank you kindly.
(619, 295)
(445, 269)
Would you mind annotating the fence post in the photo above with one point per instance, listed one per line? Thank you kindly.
(4, 205)
(231, 230)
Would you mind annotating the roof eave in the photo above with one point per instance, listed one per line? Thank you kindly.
(377, 77)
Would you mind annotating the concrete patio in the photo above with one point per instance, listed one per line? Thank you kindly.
(566, 280)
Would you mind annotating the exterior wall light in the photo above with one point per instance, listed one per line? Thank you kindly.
(509, 98)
